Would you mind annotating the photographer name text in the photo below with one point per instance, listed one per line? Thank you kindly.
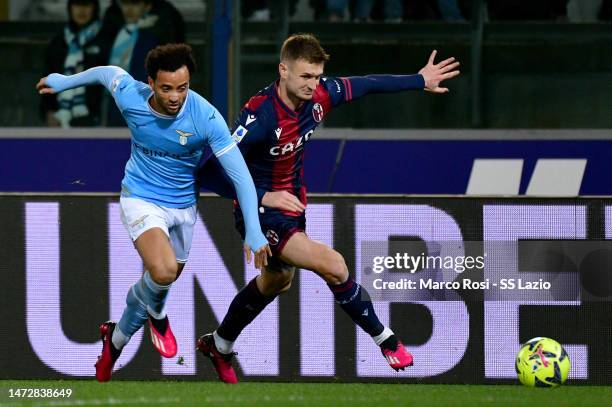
(465, 284)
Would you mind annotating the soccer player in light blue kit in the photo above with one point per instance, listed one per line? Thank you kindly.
(170, 127)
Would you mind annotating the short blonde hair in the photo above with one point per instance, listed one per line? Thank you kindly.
(303, 46)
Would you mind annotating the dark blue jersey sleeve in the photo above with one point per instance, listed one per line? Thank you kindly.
(343, 90)
(250, 129)
(338, 90)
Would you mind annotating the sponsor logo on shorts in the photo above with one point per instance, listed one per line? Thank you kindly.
(272, 237)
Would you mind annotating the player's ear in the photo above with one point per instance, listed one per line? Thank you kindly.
(282, 70)
(151, 82)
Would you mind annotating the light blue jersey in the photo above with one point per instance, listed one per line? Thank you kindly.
(166, 150)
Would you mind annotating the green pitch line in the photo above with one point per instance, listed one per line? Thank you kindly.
(167, 393)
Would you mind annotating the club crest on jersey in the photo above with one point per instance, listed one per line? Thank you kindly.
(317, 112)
(183, 135)
(272, 237)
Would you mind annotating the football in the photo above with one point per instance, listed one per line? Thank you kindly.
(542, 362)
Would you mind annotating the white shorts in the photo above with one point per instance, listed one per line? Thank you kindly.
(138, 216)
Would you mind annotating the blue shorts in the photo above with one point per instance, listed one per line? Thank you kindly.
(276, 226)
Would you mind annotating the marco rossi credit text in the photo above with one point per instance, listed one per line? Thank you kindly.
(412, 269)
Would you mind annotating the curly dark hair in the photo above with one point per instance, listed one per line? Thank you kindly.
(169, 57)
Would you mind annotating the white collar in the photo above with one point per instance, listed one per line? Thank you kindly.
(165, 116)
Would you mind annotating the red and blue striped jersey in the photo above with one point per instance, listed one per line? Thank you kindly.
(272, 136)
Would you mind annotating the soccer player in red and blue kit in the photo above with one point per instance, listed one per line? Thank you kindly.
(272, 131)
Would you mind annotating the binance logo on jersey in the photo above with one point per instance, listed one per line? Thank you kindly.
(292, 146)
(153, 153)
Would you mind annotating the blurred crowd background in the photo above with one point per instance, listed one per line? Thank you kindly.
(534, 53)
(341, 10)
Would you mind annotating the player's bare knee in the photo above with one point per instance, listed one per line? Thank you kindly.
(277, 281)
(333, 268)
(284, 285)
(269, 288)
(163, 273)
(286, 279)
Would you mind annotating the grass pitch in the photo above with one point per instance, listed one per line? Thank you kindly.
(170, 393)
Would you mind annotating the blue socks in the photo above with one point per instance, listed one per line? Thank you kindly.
(154, 295)
(356, 302)
(249, 302)
(245, 306)
(144, 297)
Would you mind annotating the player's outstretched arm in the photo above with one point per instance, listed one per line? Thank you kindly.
(99, 75)
(237, 170)
(342, 90)
(433, 74)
